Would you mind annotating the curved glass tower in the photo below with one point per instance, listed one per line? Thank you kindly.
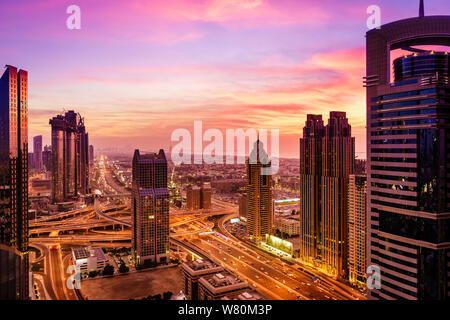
(408, 159)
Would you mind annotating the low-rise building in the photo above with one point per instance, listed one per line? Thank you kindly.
(87, 259)
(247, 294)
(288, 226)
(193, 271)
(216, 286)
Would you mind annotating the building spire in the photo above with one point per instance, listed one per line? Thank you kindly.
(421, 10)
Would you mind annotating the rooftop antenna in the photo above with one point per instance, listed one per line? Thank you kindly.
(421, 10)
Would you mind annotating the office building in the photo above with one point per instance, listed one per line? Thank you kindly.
(205, 196)
(87, 259)
(14, 173)
(193, 271)
(327, 155)
(70, 169)
(37, 152)
(259, 193)
(150, 209)
(215, 286)
(288, 226)
(91, 155)
(243, 205)
(357, 195)
(12, 273)
(47, 158)
(193, 197)
(408, 172)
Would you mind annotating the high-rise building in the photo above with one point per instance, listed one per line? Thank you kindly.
(243, 204)
(91, 155)
(193, 197)
(14, 174)
(47, 158)
(357, 195)
(70, 169)
(259, 193)
(327, 155)
(408, 154)
(37, 152)
(150, 208)
(205, 196)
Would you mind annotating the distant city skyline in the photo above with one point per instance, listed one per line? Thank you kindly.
(249, 64)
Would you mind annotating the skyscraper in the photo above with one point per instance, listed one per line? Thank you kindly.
(14, 175)
(259, 193)
(47, 158)
(327, 156)
(91, 155)
(357, 195)
(193, 197)
(408, 178)
(150, 208)
(37, 152)
(70, 168)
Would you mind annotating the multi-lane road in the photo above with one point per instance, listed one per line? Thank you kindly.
(267, 273)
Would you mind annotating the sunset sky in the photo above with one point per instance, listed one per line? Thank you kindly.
(139, 69)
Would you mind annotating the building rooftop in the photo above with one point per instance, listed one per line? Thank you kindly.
(247, 294)
(85, 252)
(202, 265)
(222, 281)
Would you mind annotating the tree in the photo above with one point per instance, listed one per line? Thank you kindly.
(93, 274)
(108, 270)
(167, 295)
(123, 268)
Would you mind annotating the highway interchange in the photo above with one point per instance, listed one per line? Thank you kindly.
(97, 224)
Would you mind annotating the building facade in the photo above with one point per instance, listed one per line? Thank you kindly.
(37, 152)
(193, 198)
(14, 171)
(47, 158)
(150, 209)
(408, 176)
(218, 285)
(243, 207)
(91, 155)
(327, 155)
(357, 200)
(259, 193)
(205, 196)
(193, 271)
(70, 163)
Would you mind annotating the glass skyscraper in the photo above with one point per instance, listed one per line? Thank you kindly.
(327, 155)
(150, 209)
(14, 183)
(408, 156)
(70, 157)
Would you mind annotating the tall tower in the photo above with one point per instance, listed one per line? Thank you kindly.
(408, 178)
(37, 152)
(70, 159)
(14, 178)
(150, 208)
(259, 193)
(310, 191)
(357, 195)
(327, 156)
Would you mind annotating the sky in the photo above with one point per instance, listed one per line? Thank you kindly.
(139, 69)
